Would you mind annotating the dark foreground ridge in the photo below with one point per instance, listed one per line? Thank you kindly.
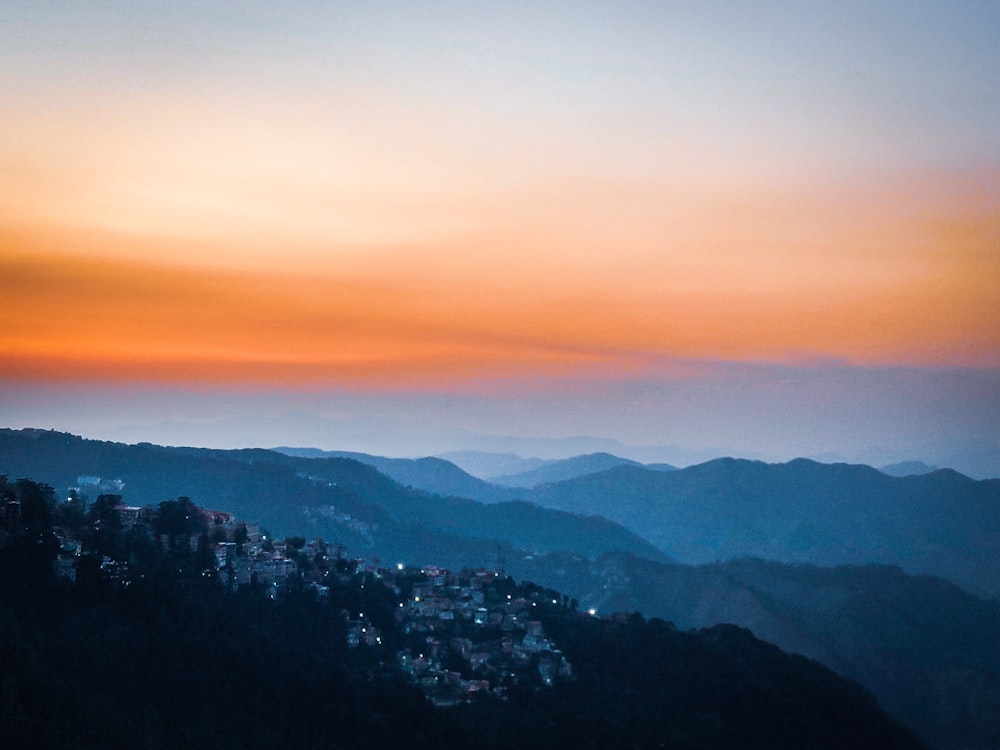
(124, 628)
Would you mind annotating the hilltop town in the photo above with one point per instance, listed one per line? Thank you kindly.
(455, 634)
(181, 626)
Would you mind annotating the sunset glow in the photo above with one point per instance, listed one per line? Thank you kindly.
(405, 199)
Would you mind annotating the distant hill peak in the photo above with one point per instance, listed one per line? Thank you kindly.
(568, 468)
(908, 468)
(484, 465)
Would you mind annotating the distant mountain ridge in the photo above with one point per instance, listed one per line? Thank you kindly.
(568, 468)
(478, 453)
(485, 465)
(429, 474)
(942, 523)
(437, 475)
(336, 497)
(908, 468)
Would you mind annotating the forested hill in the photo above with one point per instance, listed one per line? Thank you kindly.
(434, 475)
(926, 520)
(332, 497)
(165, 656)
(890, 631)
(941, 523)
(925, 647)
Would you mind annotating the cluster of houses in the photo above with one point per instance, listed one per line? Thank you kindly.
(465, 632)
(466, 635)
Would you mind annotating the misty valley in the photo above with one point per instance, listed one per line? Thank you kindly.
(184, 597)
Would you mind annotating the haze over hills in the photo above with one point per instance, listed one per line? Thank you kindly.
(442, 477)
(907, 468)
(941, 523)
(339, 498)
(979, 459)
(486, 456)
(485, 465)
(915, 642)
(937, 522)
(430, 474)
(567, 468)
(390, 435)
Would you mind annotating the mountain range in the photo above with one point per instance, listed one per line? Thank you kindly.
(922, 645)
(430, 474)
(393, 435)
(335, 497)
(927, 521)
(907, 468)
(567, 468)
(942, 523)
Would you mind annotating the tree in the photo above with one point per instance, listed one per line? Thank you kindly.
(72, 513)
(105, 526)
(37, 504)
(103, 511)
(178, 520)
(241, 537)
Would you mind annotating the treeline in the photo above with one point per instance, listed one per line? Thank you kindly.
(171, 658)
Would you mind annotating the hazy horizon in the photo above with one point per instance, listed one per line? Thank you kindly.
(670, 423)
(762, 229)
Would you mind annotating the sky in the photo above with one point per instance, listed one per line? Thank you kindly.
(768, 229)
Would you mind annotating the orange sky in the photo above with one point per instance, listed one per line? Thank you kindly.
(440, 210)
(621, 288)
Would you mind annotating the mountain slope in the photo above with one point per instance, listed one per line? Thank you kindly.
(485, 465)
(907, 468)
(845, 624)
(567, 468)
(941, 523)
(175, 659)
(434, 475)
(339, 498)
(524, 525)
(924, 647)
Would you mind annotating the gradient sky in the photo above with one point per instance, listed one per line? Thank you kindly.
(528, 218)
